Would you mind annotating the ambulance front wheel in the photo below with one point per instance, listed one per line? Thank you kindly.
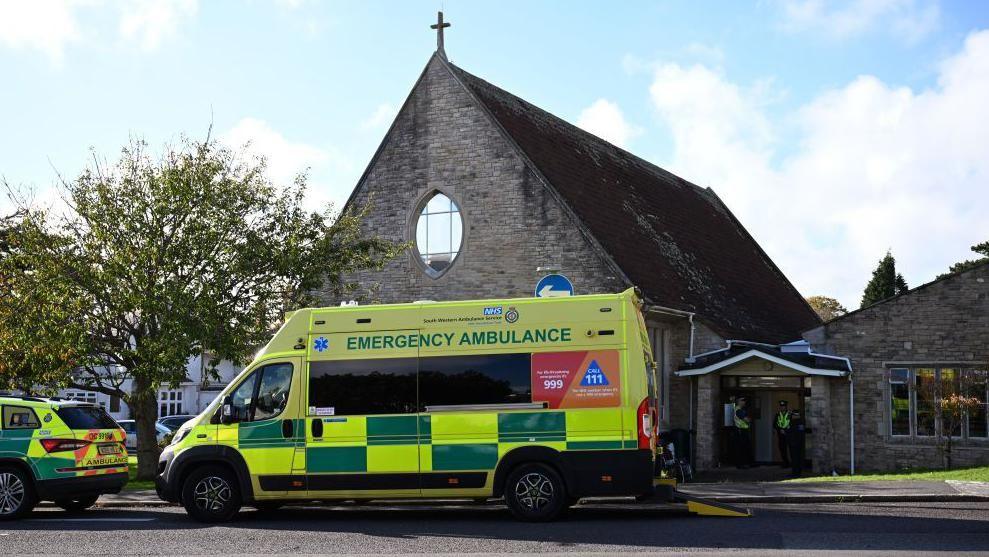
(535, 493)
(78, 504)
(211, 494)
(16, 493)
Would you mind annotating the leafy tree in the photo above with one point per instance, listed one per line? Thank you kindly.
(981, 249)
(162, 259)
(27, 360)
(955, 396)
(885, 283)
(826, 308)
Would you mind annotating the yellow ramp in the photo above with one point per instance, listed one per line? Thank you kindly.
(705, 507)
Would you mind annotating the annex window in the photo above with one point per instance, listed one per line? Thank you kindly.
(899, 410)
(19, 417)
(918, 395)
(439, 234)
(488, 379)
(363, 387)
(170, 403)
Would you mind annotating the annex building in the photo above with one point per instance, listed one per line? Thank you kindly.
(493, 193)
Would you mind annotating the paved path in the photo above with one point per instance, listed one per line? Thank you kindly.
(778, 530)
(840, 491)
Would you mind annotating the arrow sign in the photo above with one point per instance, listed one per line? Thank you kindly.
(554, 286)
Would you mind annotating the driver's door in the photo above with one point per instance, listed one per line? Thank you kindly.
(264, 426)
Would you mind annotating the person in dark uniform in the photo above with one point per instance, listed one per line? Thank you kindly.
(795, 439)
(743, 441)
(781, 425)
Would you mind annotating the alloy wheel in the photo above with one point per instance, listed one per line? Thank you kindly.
(212, 494)
(534, 490)
(11, 493)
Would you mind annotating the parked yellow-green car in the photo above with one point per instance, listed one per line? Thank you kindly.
(57, 450)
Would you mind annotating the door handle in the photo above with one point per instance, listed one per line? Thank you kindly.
(287, 428)
(317, 428)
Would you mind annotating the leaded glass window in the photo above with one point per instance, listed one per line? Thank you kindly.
(439, 234)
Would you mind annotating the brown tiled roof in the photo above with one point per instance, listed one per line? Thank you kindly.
(676, 241)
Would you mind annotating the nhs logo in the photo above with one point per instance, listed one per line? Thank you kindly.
(492, 311)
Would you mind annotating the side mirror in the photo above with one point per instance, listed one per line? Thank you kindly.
(227, 411)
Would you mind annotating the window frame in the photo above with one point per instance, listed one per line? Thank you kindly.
(3, 418)
(418, 215)
(913, 387)
(259, 371)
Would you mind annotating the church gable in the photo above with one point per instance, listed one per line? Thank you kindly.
(441, 146)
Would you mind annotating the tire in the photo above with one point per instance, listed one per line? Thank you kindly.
(78, 504)
(211, 494)
(535, 492)
(17, 496)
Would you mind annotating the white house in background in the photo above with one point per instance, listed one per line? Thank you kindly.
(189, 397)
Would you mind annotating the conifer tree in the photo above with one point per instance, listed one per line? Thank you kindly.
(885, 283)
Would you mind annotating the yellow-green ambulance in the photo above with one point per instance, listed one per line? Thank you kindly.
(539, 401)
(57, 450)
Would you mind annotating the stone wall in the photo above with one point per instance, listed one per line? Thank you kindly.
(442, 141)
(945, 322)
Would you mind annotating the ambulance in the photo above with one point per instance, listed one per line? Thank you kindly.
(57, 450)
(540, 401)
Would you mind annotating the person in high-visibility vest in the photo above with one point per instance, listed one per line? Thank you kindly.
(743, 442)
(782, 426)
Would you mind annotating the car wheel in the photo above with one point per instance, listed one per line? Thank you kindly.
(535, 493)
(211, 494)
(16, 493)
(78, 504)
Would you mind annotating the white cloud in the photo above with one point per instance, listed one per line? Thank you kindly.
(45, 25)
(381, 117)
(605, 120)
(50, 26)
(875, 167)
(909, 20)
(151, 21)
(286, 159)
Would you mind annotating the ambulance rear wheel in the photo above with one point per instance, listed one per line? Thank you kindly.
(535, 493)
(211, 494)
(78, 504)
(16, 493)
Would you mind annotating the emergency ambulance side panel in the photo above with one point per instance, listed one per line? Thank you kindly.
(362, 434)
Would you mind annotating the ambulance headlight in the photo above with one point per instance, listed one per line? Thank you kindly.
(180, 435)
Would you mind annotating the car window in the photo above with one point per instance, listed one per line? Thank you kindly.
(19, 417)
(242, 397)
(273, 392)
(128, 426)
(86, 417)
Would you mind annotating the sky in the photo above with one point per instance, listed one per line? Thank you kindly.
(835, 131)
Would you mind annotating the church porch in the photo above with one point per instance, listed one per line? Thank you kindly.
(765, 375)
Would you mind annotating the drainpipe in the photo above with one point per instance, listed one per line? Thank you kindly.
(851, 421)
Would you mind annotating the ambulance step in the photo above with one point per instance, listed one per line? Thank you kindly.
(707, 507)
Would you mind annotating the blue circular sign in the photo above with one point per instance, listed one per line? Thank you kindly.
(553, 286)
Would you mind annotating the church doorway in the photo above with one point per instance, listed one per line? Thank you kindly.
(764, 394)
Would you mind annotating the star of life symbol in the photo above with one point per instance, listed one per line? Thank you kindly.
(321, 344)
(594, 376)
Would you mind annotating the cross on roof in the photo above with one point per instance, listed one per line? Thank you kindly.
(439, 26)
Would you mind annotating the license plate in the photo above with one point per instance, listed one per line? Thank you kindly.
(109, 449)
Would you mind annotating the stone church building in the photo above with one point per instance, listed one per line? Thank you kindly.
(492, 193)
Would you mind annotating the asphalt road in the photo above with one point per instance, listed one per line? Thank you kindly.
(782, 529)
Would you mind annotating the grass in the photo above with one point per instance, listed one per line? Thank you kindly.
(133, 483)
(977, 474)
